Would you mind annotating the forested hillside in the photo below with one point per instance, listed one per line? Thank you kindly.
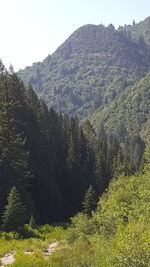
(130, 110)
(89, 70)
(50, 158)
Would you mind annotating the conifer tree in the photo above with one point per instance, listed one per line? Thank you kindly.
(32, 100)
(13, 156)
(32, 222)
(89, 201)
(15, 212)
(14, 166)
(72, 154)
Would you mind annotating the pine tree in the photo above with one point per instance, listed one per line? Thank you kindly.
(33, 101)
(72, 154)
(101, 165)
(12, 144)
(32, 222)
(89, 201)
(14, 166)
(15, 212)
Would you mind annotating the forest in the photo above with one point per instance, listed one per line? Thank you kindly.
(51, 158)
(54, 168)
(75, 153)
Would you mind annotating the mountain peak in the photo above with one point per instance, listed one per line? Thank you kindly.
(86, 39)
(89, 69)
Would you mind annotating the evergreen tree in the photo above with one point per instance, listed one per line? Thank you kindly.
(32, 100)
(13, 156)
(32, 222)
(101, 160)
(72, 158)
(15, 212)
(89, 201)
(14, 166)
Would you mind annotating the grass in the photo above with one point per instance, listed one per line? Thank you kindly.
(79, 253)
(45, 235)
(128, 247)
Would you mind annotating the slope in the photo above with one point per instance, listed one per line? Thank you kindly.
(88, 70)
(132, 107)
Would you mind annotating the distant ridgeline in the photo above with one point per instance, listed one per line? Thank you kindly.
(97, 70)
(48, 160)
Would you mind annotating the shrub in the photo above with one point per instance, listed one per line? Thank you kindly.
(81, 227)
(9, 236)
(27, 231)
(131, 246)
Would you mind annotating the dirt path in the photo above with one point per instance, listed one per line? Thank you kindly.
(51, 249)
(8, 259)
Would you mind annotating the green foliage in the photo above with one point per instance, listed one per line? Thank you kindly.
(146, 158)
(140, 32)
(88, 70)
(132, 107)
(118, 232)
(15, 212)
(52, 145)
(32, 222)
(9, 235)
(131, 246)
(89, 201)
(14, 158)
(44, 229)
(53, 232)
(28, 232)
(81, 227)
(127, 200)
(64, 157)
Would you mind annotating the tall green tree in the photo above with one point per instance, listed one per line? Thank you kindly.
(15, 211)
(89, 201)
(14, 158)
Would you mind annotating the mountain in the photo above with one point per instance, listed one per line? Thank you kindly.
(131, 107)
(89, 70)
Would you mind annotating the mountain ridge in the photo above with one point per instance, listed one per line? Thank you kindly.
(91, 68)
(88, 70)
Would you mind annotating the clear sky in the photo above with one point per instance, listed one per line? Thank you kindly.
(32, 29)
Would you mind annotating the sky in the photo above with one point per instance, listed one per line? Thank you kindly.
(32, 29)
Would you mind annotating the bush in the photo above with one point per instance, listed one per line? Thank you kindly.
(131, 246)
(52, 232)
(9, 236)
(82, 226)
(47, 228)
(27, 231)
